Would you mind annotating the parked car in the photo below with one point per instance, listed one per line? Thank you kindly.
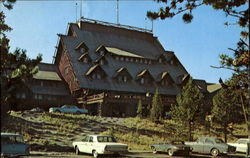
(37, 110)
(13, 145)
(172, 147)
(241, 145)
(99, 145)
(211, 145)
(68, 109)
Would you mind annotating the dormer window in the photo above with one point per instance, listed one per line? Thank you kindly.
(96, 72)
(122, 75)
(165, 79)
(101, 60)
(84, 58)
(144, 77)
(82, 48)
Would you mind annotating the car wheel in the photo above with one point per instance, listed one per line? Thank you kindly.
(154, 150)
(170, 152)
(214, 152)
(95, 154)
(77, 151)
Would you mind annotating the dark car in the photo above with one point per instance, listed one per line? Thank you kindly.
(211, 145)
(172, 147)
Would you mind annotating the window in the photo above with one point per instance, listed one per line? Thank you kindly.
(127, 59)
(171, 62)
(136, 60)
(116, 58)
(145, 61)
(41, 83)
(142, 80)
(98, 76)
(82, 50)
(131, 60)
(85, 60)
(149, 62)
(91, 139)
(102, 52)
(23, 95)
(122, 58)
(101, 62)
(125, 79)
(122, 78)
(160, 60)
(141, 61)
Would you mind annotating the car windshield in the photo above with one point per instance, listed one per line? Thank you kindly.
(11, 139)
(105, 139)
(219, 140)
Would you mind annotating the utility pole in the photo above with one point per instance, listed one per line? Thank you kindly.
(117, 11)
(81, 9)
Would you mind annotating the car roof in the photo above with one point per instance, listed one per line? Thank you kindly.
(10, 134)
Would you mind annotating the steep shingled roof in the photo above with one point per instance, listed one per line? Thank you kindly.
(121, 42)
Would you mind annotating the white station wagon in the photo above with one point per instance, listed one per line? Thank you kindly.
(99, 145)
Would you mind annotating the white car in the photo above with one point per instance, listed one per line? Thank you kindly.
(241, 145)
(99, 145)
(68, 109)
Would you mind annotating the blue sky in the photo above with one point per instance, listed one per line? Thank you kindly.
(197, 45)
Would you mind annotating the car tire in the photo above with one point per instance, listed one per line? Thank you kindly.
(214, 152)
(154, 150)
(170, 152)
(77, 151)
(95, 154)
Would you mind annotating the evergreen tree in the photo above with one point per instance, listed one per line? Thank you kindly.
(15, 67)
(226, 109)
(156, 112)
(139, 109)
(188, 107)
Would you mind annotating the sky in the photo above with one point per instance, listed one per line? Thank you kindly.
(197, 45)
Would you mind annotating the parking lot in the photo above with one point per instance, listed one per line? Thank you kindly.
(134, 154)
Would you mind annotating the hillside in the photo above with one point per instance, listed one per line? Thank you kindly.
(56, 131)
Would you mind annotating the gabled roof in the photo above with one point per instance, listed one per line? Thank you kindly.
(213, 88)
(82, 44)
(144, 73)
(47, 75)
(121, 70)
(165, 75)
(121, 52)
(93, 68)
(101, 58)
(83, 56)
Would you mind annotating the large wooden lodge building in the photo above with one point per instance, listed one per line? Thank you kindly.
(107, 68)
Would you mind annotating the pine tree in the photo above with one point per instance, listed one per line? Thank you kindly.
(139, 109)
(226, 109)
(16, 67)
(156, 112)
(188, 106)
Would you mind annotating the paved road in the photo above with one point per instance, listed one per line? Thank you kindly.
(129, 155)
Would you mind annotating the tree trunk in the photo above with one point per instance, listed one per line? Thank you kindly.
(225, 133)
(190, 130)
